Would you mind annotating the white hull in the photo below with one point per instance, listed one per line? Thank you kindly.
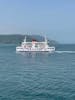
(20, 49)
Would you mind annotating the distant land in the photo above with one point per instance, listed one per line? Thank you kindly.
(17, 39)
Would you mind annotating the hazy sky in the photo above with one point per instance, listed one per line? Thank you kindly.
(54, 18)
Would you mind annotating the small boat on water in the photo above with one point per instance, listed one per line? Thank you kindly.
(35, 46)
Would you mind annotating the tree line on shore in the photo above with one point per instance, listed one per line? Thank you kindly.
(17, 39)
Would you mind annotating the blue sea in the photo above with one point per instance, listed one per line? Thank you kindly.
(37, 76)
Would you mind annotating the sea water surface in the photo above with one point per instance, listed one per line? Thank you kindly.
(37, 76)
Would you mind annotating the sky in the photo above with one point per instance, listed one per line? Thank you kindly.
(53, 18)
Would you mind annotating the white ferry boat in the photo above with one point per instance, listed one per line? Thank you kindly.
(35, 46)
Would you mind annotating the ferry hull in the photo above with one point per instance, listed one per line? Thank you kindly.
(22, 50)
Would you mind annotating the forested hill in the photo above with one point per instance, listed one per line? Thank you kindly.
(17, 39)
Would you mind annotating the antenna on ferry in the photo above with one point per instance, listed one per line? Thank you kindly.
(25, 39)
(45, 39)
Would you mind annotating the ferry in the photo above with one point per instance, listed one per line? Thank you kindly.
(35, 46)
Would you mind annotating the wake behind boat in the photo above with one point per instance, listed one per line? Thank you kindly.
(35, 46)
